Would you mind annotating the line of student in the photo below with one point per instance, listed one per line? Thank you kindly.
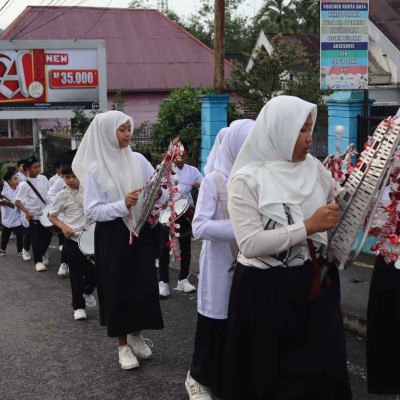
(260, 334)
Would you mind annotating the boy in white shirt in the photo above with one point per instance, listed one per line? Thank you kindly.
(10, 217)
(69, 202)
(22, 174)
(31, 201)
(58, 174)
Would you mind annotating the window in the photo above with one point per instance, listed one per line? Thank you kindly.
(20, 128)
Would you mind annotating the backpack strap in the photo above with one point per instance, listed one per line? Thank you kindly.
(223, 199)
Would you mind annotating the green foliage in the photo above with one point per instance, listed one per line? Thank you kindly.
(119, 102)
(180, 115)
(80, 122)
(271, 76)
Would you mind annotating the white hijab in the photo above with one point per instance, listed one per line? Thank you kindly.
(209, 167)
(117, 171)
(231, 145)
(266, 156)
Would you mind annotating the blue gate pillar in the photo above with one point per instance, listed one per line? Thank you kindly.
(214, 117)
(343, 108)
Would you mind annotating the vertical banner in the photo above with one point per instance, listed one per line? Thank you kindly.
(344, 44)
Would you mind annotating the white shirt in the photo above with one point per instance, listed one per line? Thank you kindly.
(53, 179)
(216, 257)
(99, 207)
(28, 197)
(264, 243)
(57, 186)
(185, 178)
(10, 217)
(21, 177)
(69, 202)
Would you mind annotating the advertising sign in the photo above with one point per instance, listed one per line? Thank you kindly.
(52, 77)
(344, 44)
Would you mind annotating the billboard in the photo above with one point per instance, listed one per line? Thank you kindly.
(344, 44)
(47, 79)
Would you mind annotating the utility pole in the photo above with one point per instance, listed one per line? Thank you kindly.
(219, 46)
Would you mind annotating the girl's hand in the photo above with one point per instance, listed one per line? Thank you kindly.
(132, 198)
(325, 218)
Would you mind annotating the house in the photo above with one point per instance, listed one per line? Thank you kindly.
(383, 52)
(147, 54)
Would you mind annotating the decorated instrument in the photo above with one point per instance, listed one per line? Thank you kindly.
(4, 201)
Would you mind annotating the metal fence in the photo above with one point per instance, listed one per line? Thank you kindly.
(366, 125)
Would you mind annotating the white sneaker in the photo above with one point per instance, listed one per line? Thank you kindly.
(140, 345)
(60, 248)
(79, 314)
(195, 390)
(90, 300)
(40, 267)
(62, 271)
(163, 289)
(157, 263)
(21, 254)
(185, 286)
(2, 253)
(45, 259)
(25, 255)
(127, 359)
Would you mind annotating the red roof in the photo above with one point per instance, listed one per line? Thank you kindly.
(145, 49)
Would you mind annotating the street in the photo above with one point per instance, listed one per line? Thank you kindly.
(47, 355)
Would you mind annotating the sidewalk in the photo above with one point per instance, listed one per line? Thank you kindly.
(354, 282)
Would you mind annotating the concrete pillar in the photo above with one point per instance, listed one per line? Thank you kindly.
(214, 117)
(343, 108)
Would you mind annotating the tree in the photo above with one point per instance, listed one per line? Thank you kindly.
(180, 115)
(281, 13)
(285, 71)
(308, 12)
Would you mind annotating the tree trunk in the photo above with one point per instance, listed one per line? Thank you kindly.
(219, 46)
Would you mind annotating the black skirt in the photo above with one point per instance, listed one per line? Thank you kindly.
(383, 329)
(126, 279)
(280, 345)
(208, 357)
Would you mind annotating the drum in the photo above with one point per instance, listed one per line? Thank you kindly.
(44, 218)
(185, 216)
(86, 240)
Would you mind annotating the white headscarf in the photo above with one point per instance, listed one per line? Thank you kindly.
(266, 156)
(209, 167)
(231, 145)
(117, 171)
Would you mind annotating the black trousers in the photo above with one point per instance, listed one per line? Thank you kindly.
(5, 237)
(81, 274)
(41, 238)
(185, 244)
(26, 238)
(62, 240)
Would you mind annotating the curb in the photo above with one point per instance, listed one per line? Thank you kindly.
(354, 323)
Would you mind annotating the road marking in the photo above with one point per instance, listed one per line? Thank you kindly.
(361, 264)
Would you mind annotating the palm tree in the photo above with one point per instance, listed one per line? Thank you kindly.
(309, 11)
(277, 11)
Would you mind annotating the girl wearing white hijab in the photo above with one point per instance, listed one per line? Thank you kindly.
(213, 226)
(281, 343)
(125, 274)
(209, 167)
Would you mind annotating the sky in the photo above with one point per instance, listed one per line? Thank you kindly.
(12, 8)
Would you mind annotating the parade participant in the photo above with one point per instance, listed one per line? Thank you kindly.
(22, 172)
(212, 225)
(58, 174)
(283, 341)
(126, 277)
(10, 217)
(30, 200)
(187, 177)
(69, 202)
(209, 167)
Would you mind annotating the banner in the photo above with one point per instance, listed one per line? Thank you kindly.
(51, 78)
(344, 44)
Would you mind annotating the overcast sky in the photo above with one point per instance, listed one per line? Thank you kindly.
(182, 7)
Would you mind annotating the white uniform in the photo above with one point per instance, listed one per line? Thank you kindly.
(186, 177)
(216, 256)
(10, 217)
(28, 197)
(53, 179)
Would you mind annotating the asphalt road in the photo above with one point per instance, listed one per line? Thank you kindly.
(46, 355)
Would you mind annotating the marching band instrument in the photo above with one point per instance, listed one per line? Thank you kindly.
(86, 240)
(363, 191)
(185, 214)
(6, 202)
(44, 217)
